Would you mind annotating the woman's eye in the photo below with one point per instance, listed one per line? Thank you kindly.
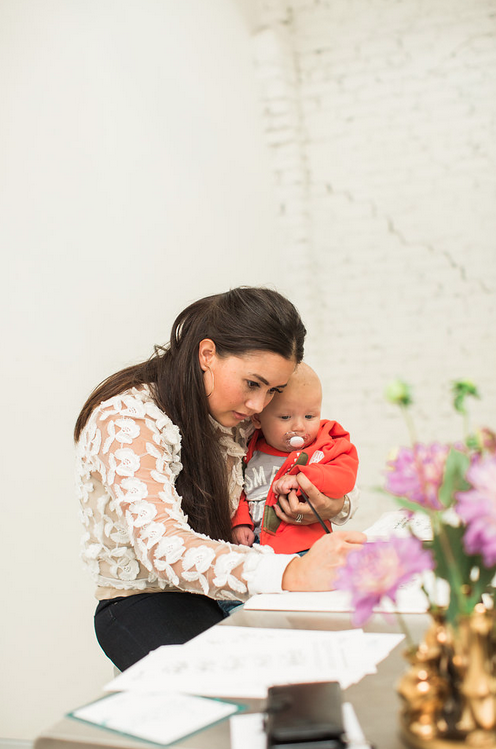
(273, 391)
(252, 384)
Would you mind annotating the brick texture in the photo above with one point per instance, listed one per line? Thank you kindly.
(381, 120)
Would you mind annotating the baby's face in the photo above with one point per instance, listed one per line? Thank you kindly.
(292, 413)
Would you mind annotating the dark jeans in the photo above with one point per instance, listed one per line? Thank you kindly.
(128, 628)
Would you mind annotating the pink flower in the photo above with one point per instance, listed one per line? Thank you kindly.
(378, 569)
(486, 439)
(477, 508)
(417, 473)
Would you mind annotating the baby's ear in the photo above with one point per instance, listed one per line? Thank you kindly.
(256, 421)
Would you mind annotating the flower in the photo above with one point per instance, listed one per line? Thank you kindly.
(477, 508)
(378, 569)
(454, 485)
(417, 473)
(485, 440)
(398, 393)
(129, 462)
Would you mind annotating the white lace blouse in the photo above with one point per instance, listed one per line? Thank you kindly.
(136, 535)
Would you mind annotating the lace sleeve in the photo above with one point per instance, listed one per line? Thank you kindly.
(135, 450)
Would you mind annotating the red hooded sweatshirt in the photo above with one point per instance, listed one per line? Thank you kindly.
(332, 467)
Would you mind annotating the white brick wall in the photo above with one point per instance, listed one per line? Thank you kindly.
(381, 118)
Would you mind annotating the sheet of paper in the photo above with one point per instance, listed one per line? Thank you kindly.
(161, 717)
(237, 662)
(247, 731)
(244, 661)
(410, 600)
(398, 523)
(334, 600)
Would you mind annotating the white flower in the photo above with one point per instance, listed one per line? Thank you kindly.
(152, 533)
(108, 477)
(152, 450)
(132, 407)
(94, 437)
(167, 495)
(120, 536)
(98, 530)
(143, 513)
(199, 558)
(128, 430)
(223, 568)
(160, 478)
(171, 434)
(170, 548)
(129, 462)
(125, 566)
(92, 551)
(102, 503)
(135, 489)
(110, 438)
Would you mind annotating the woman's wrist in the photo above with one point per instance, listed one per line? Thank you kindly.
(292, 578)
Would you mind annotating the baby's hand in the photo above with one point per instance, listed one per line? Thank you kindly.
(285, 484)
(243, 534)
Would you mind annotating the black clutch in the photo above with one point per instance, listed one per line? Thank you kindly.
(305, 716)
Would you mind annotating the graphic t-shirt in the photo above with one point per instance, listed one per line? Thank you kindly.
(259, 475)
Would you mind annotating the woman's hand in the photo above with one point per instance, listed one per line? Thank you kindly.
(291, 507)
(316, 570)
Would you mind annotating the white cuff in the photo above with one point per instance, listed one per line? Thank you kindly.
(349, 508)
(267, 578)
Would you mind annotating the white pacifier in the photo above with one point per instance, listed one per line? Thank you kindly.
(296, 441)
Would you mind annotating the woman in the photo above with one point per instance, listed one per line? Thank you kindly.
(160, 448)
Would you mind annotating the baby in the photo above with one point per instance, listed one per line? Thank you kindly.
(287, 429)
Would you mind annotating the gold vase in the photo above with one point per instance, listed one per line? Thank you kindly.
(449, 693)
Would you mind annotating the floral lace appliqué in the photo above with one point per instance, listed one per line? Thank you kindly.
(136, 533)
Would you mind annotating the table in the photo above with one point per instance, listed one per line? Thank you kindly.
(373, 698)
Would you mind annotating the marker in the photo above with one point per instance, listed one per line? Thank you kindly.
(302, 460)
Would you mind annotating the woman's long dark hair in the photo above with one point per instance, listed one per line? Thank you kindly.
(242, 320)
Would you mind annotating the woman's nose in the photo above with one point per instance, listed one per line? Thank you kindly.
(257, 401)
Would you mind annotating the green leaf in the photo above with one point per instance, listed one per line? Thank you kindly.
(456, 467)
(461, 389)
(483, 584)
(412, 506)
(457, 570)
(444, 566)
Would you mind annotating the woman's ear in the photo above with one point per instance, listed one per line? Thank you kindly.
(206, 353)
(256, 421)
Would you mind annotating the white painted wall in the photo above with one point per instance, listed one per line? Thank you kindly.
(381, 121)
(134, 179)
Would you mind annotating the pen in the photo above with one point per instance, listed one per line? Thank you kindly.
(301, 461)
(324, 526)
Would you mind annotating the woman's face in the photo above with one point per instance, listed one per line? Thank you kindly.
(240, 386)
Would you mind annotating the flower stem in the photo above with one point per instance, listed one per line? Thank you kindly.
(405, 630)
(409, 423)
(456, 587)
